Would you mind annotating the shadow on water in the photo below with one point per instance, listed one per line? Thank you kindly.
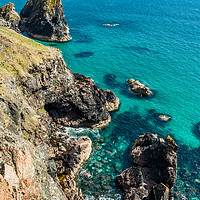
(84, 54)
(109, 79)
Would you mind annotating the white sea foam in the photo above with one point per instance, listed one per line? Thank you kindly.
(77, 133)
(115, 197)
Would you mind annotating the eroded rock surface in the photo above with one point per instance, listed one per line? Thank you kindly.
(69, 157)
(155, 171)
(138, 88)
(45, 20)
(85, 104)
(9, 18)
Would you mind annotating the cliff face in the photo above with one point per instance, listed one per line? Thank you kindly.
(28, 71)
(34, 80)
(45, 20)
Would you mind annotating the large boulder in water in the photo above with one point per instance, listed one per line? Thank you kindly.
(9, 18)
(155, 171)
(138, 88)
(45, 20)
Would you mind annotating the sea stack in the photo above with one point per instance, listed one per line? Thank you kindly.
(155, 169)
(9, 18)
(45, 20)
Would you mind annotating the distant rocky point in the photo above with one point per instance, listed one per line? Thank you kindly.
(9, 17)
(138, 88)
(45, 20)
(155, 172)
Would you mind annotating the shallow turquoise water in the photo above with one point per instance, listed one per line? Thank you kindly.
(156, 42)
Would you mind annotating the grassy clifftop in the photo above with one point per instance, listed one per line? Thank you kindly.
(28, 71)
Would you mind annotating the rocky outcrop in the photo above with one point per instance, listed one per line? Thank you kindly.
(112, 102)
(34, 78)
(85, 104)
(69, 157)
(9, 18)
(155, 171)
(45, 20)
(138, 88)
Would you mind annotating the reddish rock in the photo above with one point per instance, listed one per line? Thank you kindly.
(17, 174)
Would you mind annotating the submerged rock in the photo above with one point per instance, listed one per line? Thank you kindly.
(196, 130)
(164, 117)
(138, 88)
(45, 20)
(155, 171)
(9, 18)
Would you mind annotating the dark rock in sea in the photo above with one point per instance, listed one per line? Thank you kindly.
(138, 88)
(155, 170)
(109, 79)
(196, 130)
(45, 20)
(9, 18)
(84, 104)
(139, 49)
(84, 54)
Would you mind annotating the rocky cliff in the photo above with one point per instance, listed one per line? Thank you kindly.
(38, 92)
(45, 20)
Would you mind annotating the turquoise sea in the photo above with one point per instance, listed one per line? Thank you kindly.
(158, 43)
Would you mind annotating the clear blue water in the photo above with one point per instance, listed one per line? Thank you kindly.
(158, 43)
